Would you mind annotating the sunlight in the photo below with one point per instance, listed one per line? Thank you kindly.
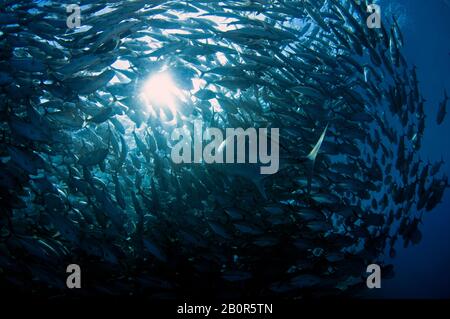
(161, 93)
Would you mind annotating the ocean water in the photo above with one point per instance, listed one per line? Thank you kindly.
(194, 232)
(423, 271)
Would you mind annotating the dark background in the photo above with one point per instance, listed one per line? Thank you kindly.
(423, 271)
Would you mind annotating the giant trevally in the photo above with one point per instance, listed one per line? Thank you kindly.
(86, 172)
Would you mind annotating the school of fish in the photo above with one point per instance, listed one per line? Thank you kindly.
(86, 175)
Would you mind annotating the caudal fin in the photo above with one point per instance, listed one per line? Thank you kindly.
(313, 155)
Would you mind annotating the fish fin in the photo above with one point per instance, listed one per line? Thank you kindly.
(85, 123)
(313, 154)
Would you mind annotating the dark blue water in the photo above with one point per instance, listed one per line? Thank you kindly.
(423, 271)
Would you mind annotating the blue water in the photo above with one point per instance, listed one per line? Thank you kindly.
(423, 271)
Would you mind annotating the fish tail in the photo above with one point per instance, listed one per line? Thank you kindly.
(85, 123)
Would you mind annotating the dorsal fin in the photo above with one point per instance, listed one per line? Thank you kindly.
(313, 154)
